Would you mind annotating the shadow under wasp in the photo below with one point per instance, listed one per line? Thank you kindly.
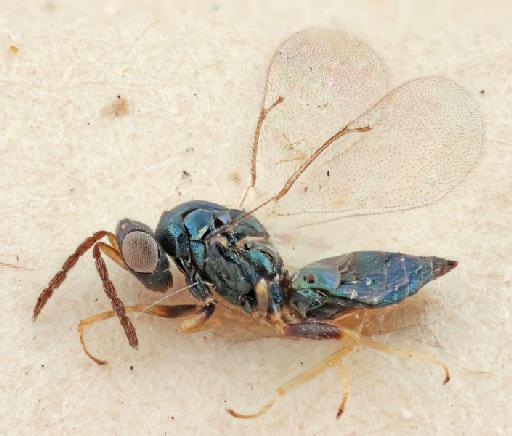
(386, 152)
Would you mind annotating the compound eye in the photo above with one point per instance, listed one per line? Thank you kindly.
(140, 252)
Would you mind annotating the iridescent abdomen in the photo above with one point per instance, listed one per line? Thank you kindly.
(326, 288)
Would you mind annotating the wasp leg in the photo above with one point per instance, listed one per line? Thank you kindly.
(342, 371)
(198, 287)
(198, 321)
(161, 310)
(113, 253)
(405, 354)
(351, 339)
(304, 377)
(311, 330)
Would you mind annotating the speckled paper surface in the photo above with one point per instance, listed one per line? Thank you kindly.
(114, 109)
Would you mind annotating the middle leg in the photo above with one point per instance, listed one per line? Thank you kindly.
(198, 321)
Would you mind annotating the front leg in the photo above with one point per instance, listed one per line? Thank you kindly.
(199, 289)
(197, 286)
(160, 310)
(350, 339)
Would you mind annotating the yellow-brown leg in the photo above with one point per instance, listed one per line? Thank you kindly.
(161, 310)
(197, 322)
(304, 377)
(345, 380)
(350, 339)
(112, 252)
(406, 355)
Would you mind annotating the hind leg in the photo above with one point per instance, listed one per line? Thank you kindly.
(345, 380)
(318, 330)
(405, 354)
(334, 359)
(350, 339)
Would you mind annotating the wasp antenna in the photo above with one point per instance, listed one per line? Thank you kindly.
(70, 262)
(110, 290)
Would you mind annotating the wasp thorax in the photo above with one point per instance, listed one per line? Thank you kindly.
(140, 252)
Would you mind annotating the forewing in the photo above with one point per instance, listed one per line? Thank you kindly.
(326, 79)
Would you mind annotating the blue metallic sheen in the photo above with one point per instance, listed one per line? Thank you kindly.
(233, 259)
(326, 288)
(218, 248)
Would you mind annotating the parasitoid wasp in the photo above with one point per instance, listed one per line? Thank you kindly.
(330, 141)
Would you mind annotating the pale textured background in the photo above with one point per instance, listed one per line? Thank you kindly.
(191, 74)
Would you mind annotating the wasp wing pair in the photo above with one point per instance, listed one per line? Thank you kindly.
(331, 143)
(424, 136)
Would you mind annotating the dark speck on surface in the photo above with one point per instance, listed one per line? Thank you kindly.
(131, 367)
(235, 177)
(482, 91)
(185, 174)
(116, 109)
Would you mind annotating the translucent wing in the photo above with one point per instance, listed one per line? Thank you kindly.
(423, 138)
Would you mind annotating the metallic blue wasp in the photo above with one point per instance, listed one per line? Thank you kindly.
(324, 111)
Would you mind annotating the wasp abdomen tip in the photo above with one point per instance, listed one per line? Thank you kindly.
(442, 266)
